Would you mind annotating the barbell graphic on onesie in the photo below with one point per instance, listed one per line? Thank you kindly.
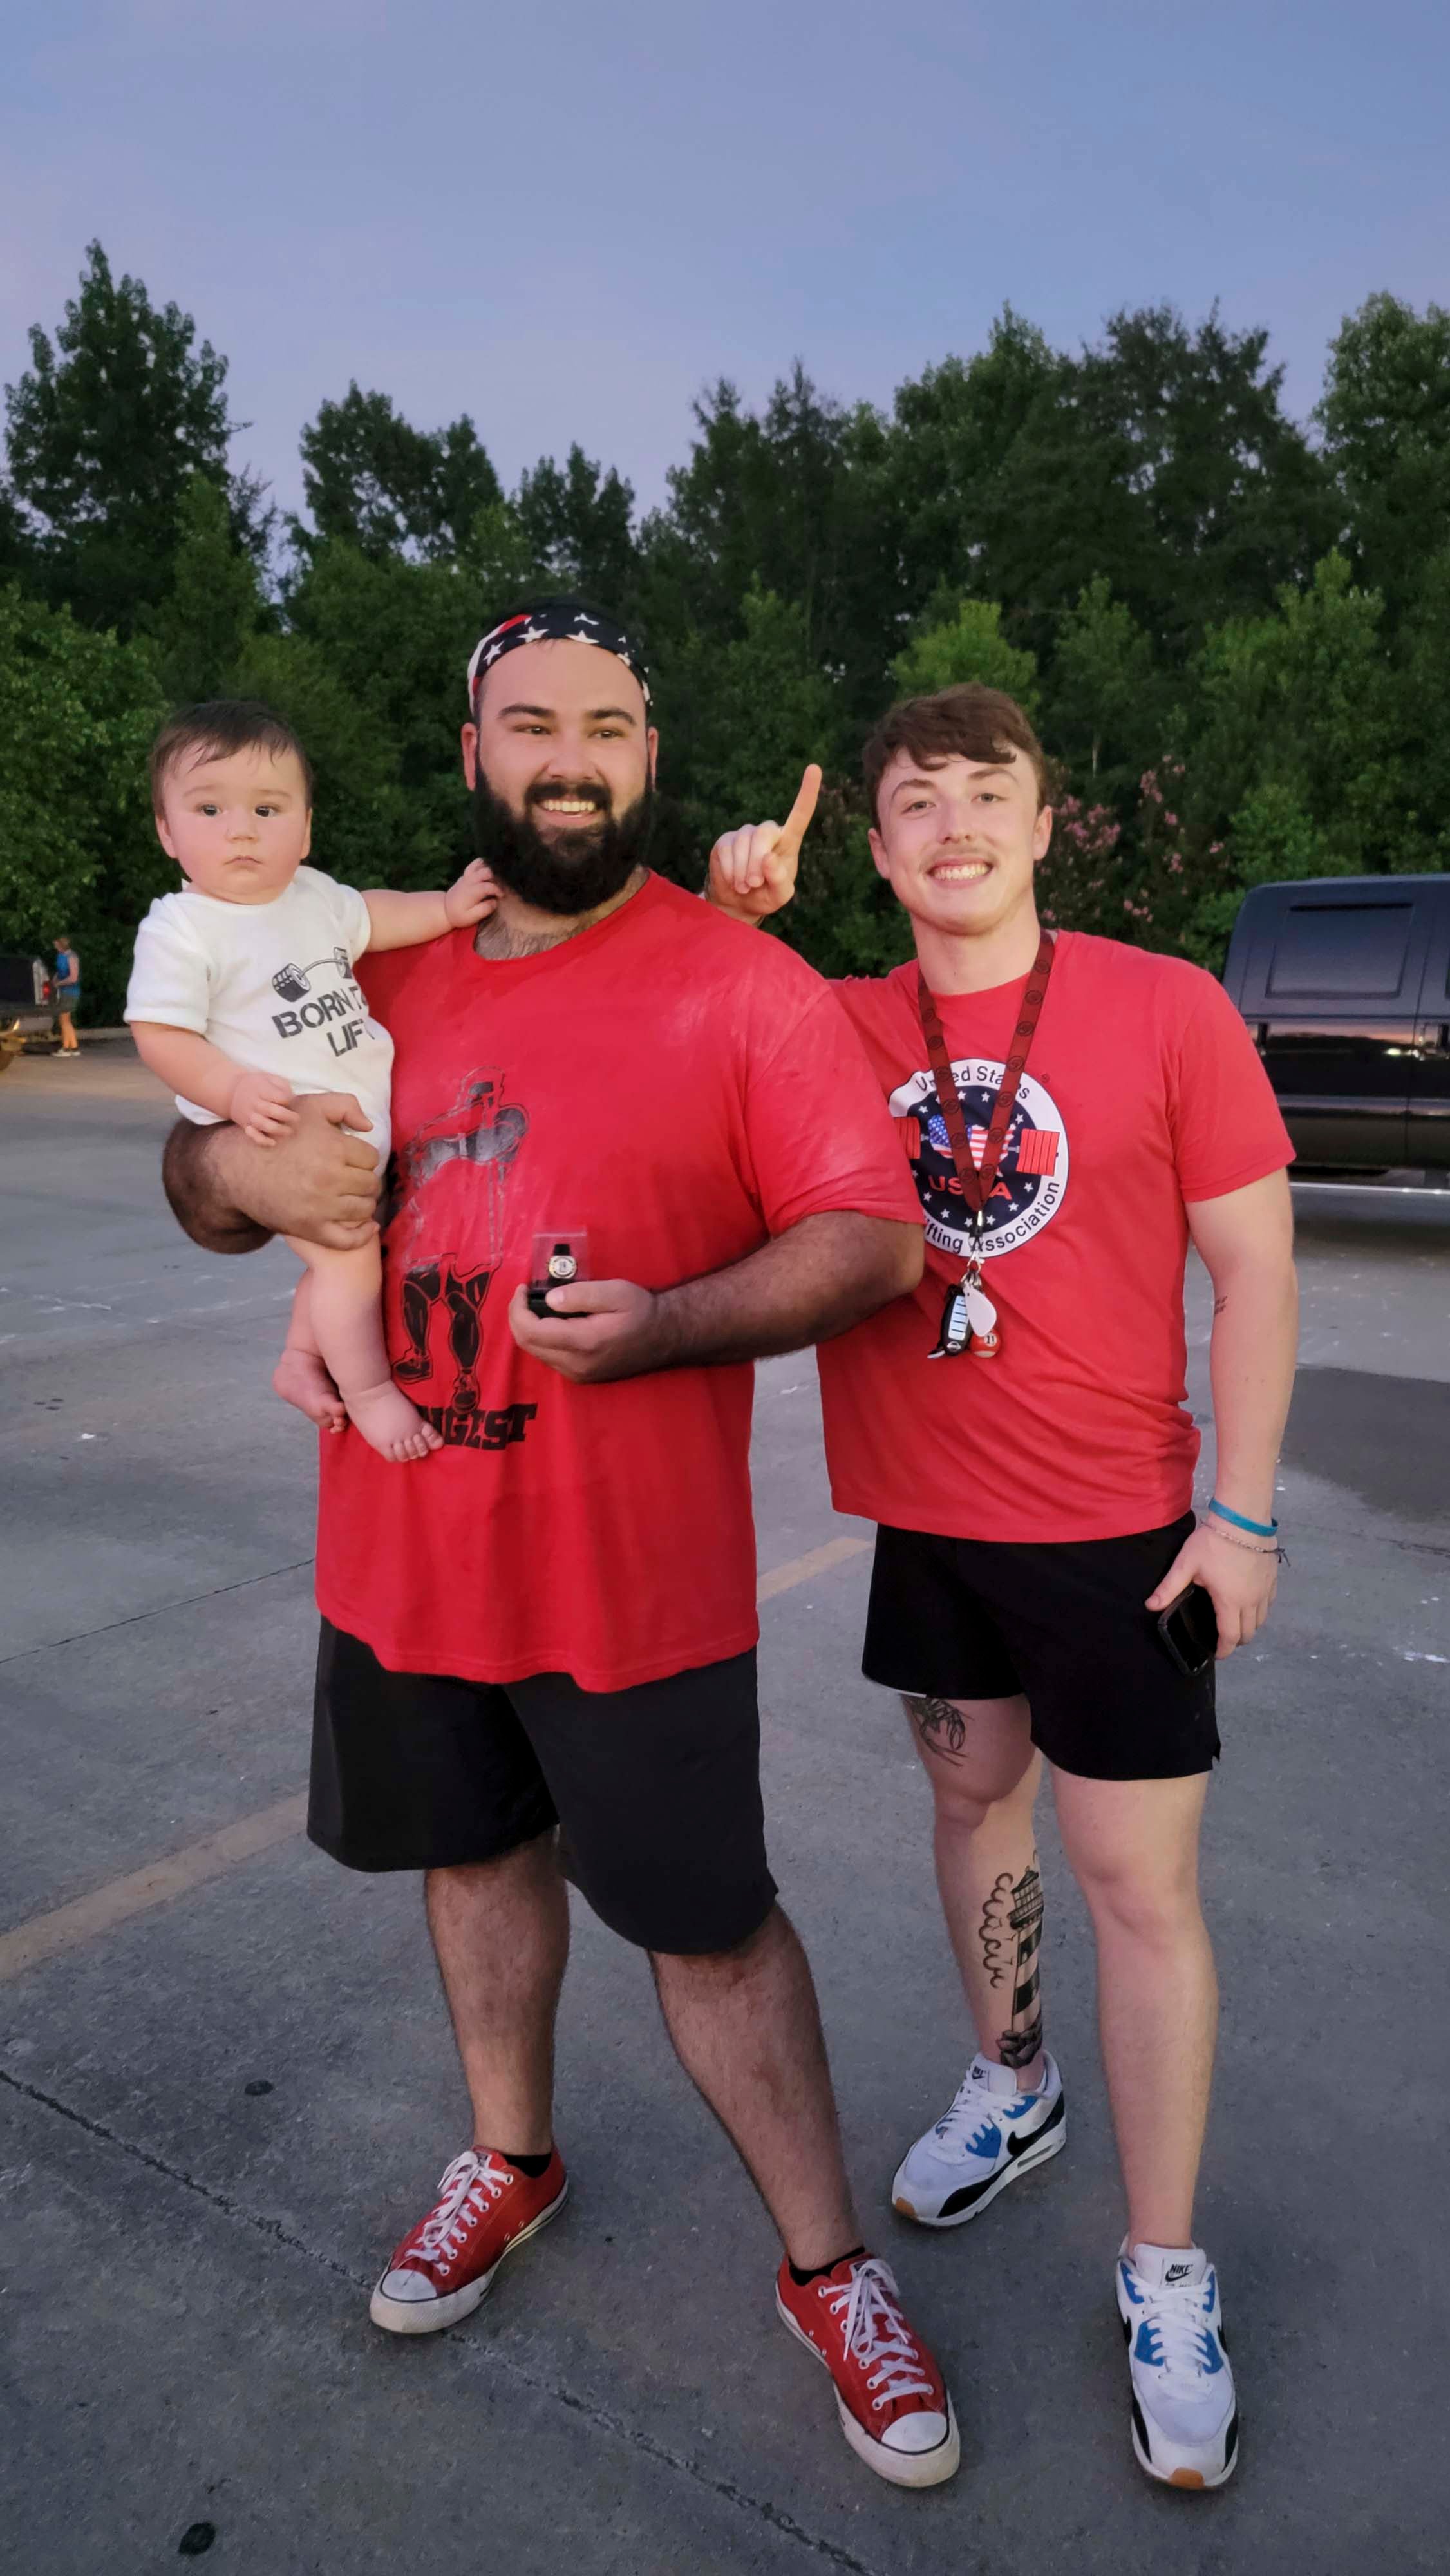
(292, 981)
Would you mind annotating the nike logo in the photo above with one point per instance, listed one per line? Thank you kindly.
(1018, 2146)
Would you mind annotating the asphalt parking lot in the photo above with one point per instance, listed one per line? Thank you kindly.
(226, 2081)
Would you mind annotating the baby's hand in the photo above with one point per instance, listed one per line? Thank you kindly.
(261, 1105)
(472, 898)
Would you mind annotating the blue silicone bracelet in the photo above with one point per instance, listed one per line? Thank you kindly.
(1260, 1529)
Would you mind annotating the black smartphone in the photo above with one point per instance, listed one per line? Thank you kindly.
(1189, 1630)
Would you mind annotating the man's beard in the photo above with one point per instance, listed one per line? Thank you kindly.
(569, 872)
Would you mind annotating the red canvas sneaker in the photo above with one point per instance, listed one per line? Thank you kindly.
(445, 2265)
(892, 2400)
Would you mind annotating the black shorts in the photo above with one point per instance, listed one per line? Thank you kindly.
(657, 1788)
(966, 1618)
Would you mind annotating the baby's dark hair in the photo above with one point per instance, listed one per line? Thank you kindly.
(214, 731)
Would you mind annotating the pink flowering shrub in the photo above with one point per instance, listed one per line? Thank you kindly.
(1157, 881)
(1078, 882)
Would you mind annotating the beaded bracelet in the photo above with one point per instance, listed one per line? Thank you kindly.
(1249, 1546)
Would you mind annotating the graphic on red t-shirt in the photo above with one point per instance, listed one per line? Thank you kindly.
(1143, 1093)
(475, 1141)
(1031, 1177)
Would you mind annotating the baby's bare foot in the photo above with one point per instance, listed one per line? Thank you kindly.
(301, 1379)
(390, 1424)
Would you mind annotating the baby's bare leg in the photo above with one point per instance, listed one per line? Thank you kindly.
(300, 1376)
(344, 1309)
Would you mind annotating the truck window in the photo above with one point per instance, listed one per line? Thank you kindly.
(1342, 951)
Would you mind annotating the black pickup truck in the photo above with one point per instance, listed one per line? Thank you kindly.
(26, 1009)
(1345, 983)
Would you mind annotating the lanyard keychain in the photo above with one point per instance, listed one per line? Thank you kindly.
(969, 1318)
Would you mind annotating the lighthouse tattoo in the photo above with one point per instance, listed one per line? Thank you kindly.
(1011, 1938)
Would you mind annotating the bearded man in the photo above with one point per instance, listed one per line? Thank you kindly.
(551, 1621)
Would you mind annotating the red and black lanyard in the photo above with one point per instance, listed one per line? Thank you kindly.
(957, 1328)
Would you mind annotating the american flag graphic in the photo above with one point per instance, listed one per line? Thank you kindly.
(1036, 1149)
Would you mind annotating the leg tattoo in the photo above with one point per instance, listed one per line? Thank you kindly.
(941, 1726)
(1019, 2045)
(1011, 1938)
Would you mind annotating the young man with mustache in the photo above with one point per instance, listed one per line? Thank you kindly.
(1074, 1112)
(555, 1624)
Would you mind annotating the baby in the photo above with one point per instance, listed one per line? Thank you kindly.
(243, 995)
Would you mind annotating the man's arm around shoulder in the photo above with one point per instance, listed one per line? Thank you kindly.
(320, 1182)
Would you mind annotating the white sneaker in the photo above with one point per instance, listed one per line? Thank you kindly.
(992, 2133)
(1185, 2419)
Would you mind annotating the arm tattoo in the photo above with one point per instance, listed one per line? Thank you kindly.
(1011, 1936)
(941, 1726)
(1219, 1304)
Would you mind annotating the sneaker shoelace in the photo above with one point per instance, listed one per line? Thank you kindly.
(1176, 2316)
(469, 2183)
(874, 2332)
(973, 2120)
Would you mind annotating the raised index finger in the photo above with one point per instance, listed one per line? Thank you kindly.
(793, 829)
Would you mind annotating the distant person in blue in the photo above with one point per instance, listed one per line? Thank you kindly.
(66, 976)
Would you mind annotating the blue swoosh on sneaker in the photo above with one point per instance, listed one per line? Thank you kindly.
(1135, 2295)
(1145, 2349)
(1212, 2357)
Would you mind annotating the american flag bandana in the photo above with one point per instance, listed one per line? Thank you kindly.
(553, 621)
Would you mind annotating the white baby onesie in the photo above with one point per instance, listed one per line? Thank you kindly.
(272, 985)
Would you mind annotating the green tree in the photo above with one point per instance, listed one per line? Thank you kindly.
(367, 829)
(393, 638)
(1105, 695)
(796, 499)
(202, 628)
(1231, 499)
(746, 714)
(382, 486)
(78, 851)
(1423, 665)
(17, 541)
(104, 430)
(576, 522)
(953, 430)
(969, 646)
(497, 563)
(1307, 700)
(1385, 414)
(739, 721)
(1161, 458)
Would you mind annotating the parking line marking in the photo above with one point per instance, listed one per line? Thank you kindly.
(801, 1568)
(69, 1927)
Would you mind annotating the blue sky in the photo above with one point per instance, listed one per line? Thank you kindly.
(567, 220)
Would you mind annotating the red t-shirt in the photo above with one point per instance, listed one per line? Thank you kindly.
(1143, 1092)
(682, 1089)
